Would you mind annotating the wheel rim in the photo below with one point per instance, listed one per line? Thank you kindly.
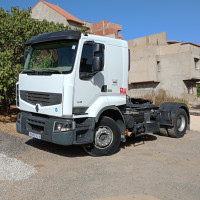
(103, 137)
(181, 123)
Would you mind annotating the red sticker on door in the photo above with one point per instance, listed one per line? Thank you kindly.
(123, 91)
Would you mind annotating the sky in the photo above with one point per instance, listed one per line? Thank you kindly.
(139, 18)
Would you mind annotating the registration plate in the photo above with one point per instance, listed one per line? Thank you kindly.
(35, 135)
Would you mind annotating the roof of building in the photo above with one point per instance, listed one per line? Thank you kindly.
(183, 43)
(173, 42)
(197, 45)
(62, 12)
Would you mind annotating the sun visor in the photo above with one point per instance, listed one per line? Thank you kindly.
(53, 36)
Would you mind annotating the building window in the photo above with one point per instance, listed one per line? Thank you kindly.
(158, 66)
(190, 89)
(197, 63)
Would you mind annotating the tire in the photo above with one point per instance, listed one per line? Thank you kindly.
(180, 125)
(107, 139)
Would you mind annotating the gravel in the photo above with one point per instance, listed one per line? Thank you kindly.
(11, 145)
(14, 170)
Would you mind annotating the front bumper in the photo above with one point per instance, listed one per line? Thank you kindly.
(44, 126)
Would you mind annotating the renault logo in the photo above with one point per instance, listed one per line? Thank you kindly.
(37, 108)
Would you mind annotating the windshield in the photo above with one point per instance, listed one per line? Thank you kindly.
(51, 57)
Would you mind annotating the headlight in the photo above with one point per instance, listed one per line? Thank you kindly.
(60, 127)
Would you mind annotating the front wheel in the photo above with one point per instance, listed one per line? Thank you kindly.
(106, 138)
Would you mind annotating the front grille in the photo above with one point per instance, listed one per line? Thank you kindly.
(42, 98)
(36, 128)
(36, 122)
(35, 125)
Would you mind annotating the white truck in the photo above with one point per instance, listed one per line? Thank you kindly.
(72, 91)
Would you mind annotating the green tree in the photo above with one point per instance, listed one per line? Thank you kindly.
(16, 27)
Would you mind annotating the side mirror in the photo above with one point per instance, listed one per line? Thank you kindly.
(97, 64)
(98, 48)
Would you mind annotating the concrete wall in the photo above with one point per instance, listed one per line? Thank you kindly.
(156, 65)
(143, 62)
(151, 40)
(42, 11)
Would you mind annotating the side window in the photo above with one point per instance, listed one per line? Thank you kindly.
(86, 58)
(89, 52)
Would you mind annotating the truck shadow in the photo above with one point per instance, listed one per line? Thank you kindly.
(65, 151)
(77, 151)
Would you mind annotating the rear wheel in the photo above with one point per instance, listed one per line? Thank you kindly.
(180, 125)
(106, 138)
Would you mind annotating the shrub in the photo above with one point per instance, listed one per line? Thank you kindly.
(161, 97)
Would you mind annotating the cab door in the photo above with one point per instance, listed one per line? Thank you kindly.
(89, 81)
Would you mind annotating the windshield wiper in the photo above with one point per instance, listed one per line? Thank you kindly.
(52, 71)
(31, 71)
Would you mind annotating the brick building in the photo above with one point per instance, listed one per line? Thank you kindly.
(106, 28)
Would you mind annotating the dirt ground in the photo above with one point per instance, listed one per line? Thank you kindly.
(160, 168)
